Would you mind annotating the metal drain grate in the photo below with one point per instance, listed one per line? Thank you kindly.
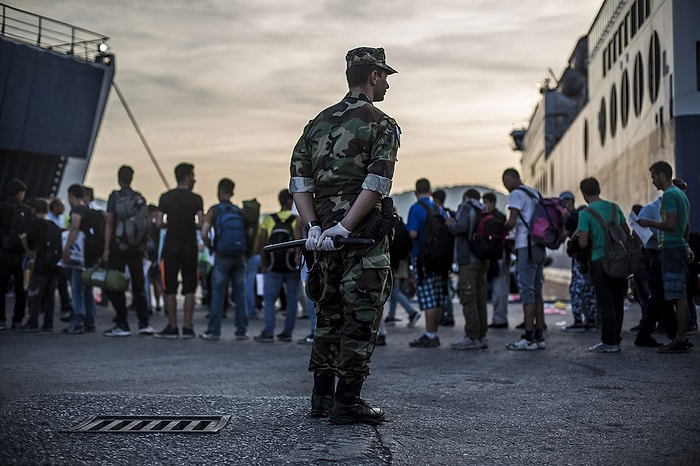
(151, 424)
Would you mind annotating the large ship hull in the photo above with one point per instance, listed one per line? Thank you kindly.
(54, 84)
(637, 102)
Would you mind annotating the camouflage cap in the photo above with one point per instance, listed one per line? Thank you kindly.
(368, 56)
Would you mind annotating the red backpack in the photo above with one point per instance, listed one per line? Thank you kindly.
(488, 240)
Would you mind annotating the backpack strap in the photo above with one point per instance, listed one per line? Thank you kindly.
(534, 198)
(600, 220)
(472, 219)
(520, 214)
(429, 211)
(426, 206)
(224, 206)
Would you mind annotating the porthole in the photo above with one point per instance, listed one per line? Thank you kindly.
(638, 85)
(625, 99)
(602, 121)
(613, 111)
(585, 139)
(654, 67)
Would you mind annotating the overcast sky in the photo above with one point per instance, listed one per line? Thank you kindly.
(228, 85)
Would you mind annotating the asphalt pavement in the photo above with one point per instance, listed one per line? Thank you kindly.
(560, 405)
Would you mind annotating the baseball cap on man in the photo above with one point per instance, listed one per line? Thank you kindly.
(567, 195)
(368, 56)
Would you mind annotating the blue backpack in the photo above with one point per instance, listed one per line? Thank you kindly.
(229, 230)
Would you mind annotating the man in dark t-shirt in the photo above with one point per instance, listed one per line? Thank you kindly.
(44, 275)
(14, 215)
(177, 211)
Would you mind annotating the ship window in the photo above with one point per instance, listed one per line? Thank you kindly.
(638, 85)
(620, 39)
(605, 62)
(654, 65)
(602, 121)
(585, 139)
(613, 111)
(551, 177)
(624, 99)
(626, 31)
(615, 41)
(641, 15)
(633, 20)
(670, 97)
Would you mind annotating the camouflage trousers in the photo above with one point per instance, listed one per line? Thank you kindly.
(583, 299)
(349, 291)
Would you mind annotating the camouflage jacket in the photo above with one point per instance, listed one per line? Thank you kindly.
(348, 147)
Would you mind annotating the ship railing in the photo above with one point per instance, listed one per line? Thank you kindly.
(47, 33)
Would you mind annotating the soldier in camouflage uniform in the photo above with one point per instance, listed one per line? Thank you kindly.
(341, 168)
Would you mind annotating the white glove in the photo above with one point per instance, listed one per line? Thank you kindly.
(325, 242)
(312, 238)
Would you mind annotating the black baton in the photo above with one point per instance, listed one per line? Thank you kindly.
(338, 241)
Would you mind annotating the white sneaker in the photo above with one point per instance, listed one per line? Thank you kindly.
(147, 330)
(522, 345)
(541, 344)
(466, 343)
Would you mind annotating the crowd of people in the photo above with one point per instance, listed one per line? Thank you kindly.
(340, 284)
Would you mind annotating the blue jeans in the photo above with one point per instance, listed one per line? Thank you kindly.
(397, 297)
(306, 301)
(499, 293)
(253, 268)
(83, 301)
(272, 288)
(225, 268)
(674, 272)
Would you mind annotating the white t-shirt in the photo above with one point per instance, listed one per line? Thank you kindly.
(520, 200)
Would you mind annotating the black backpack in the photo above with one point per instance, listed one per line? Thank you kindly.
(15, 221)
(283, 260)
(401, 244)
(51, 248)
(622, 253)
(437, 244)
(94, 236)
(488, 239)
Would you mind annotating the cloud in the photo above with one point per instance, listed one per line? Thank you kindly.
(229, 84)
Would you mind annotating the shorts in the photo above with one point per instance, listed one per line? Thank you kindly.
(431, 290)
(674, 272)
(179, 257)
(530, 271)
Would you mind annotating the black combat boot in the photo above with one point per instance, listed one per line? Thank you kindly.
(322, 396)
(349, 408)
